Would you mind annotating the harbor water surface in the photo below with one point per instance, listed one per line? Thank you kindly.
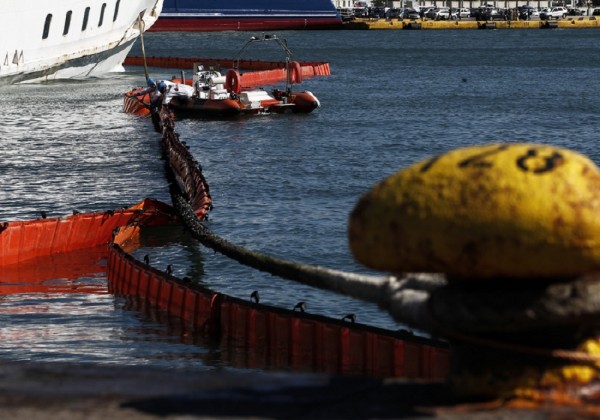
(281, 184)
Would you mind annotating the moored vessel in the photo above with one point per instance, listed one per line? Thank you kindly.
(70, 39)
(241, 15)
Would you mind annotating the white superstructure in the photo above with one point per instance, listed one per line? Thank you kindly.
(60, 39)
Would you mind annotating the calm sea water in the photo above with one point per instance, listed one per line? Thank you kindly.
(283, 185)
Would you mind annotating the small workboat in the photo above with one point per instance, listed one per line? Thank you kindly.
(210, 93)
(220, 95)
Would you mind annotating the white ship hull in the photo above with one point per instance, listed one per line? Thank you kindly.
(62, 39)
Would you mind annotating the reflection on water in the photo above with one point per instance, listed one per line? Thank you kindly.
(88, 328)
(57, 308)
(82, 271)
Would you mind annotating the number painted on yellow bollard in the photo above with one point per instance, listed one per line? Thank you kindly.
(479, 160)
(548, 162)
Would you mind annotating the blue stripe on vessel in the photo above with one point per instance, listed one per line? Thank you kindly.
(231, 8)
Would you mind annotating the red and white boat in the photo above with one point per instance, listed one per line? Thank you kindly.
(211, 93)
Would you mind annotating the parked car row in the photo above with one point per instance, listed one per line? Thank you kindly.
(480, 13)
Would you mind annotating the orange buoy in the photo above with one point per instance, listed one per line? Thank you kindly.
(296, 72)
(232, 82)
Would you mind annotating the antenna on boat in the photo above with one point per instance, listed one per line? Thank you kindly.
(265, 37)
(142, 27)
(288, 63)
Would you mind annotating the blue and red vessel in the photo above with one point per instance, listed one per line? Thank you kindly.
(246, 15)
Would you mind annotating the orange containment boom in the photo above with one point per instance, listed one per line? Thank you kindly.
(64, 255)
(258, 73)
(254, 335)
(22, 241)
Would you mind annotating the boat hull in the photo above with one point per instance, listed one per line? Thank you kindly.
(265, 23)
(242, 15)
(298, 103)
(136, 102)
(65, 39)
(304, 102)
(191, 108)
(91, 65)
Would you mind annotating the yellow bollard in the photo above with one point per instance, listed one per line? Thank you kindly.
(502, 210)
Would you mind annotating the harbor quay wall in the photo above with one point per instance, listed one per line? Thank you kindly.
(394, 24)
